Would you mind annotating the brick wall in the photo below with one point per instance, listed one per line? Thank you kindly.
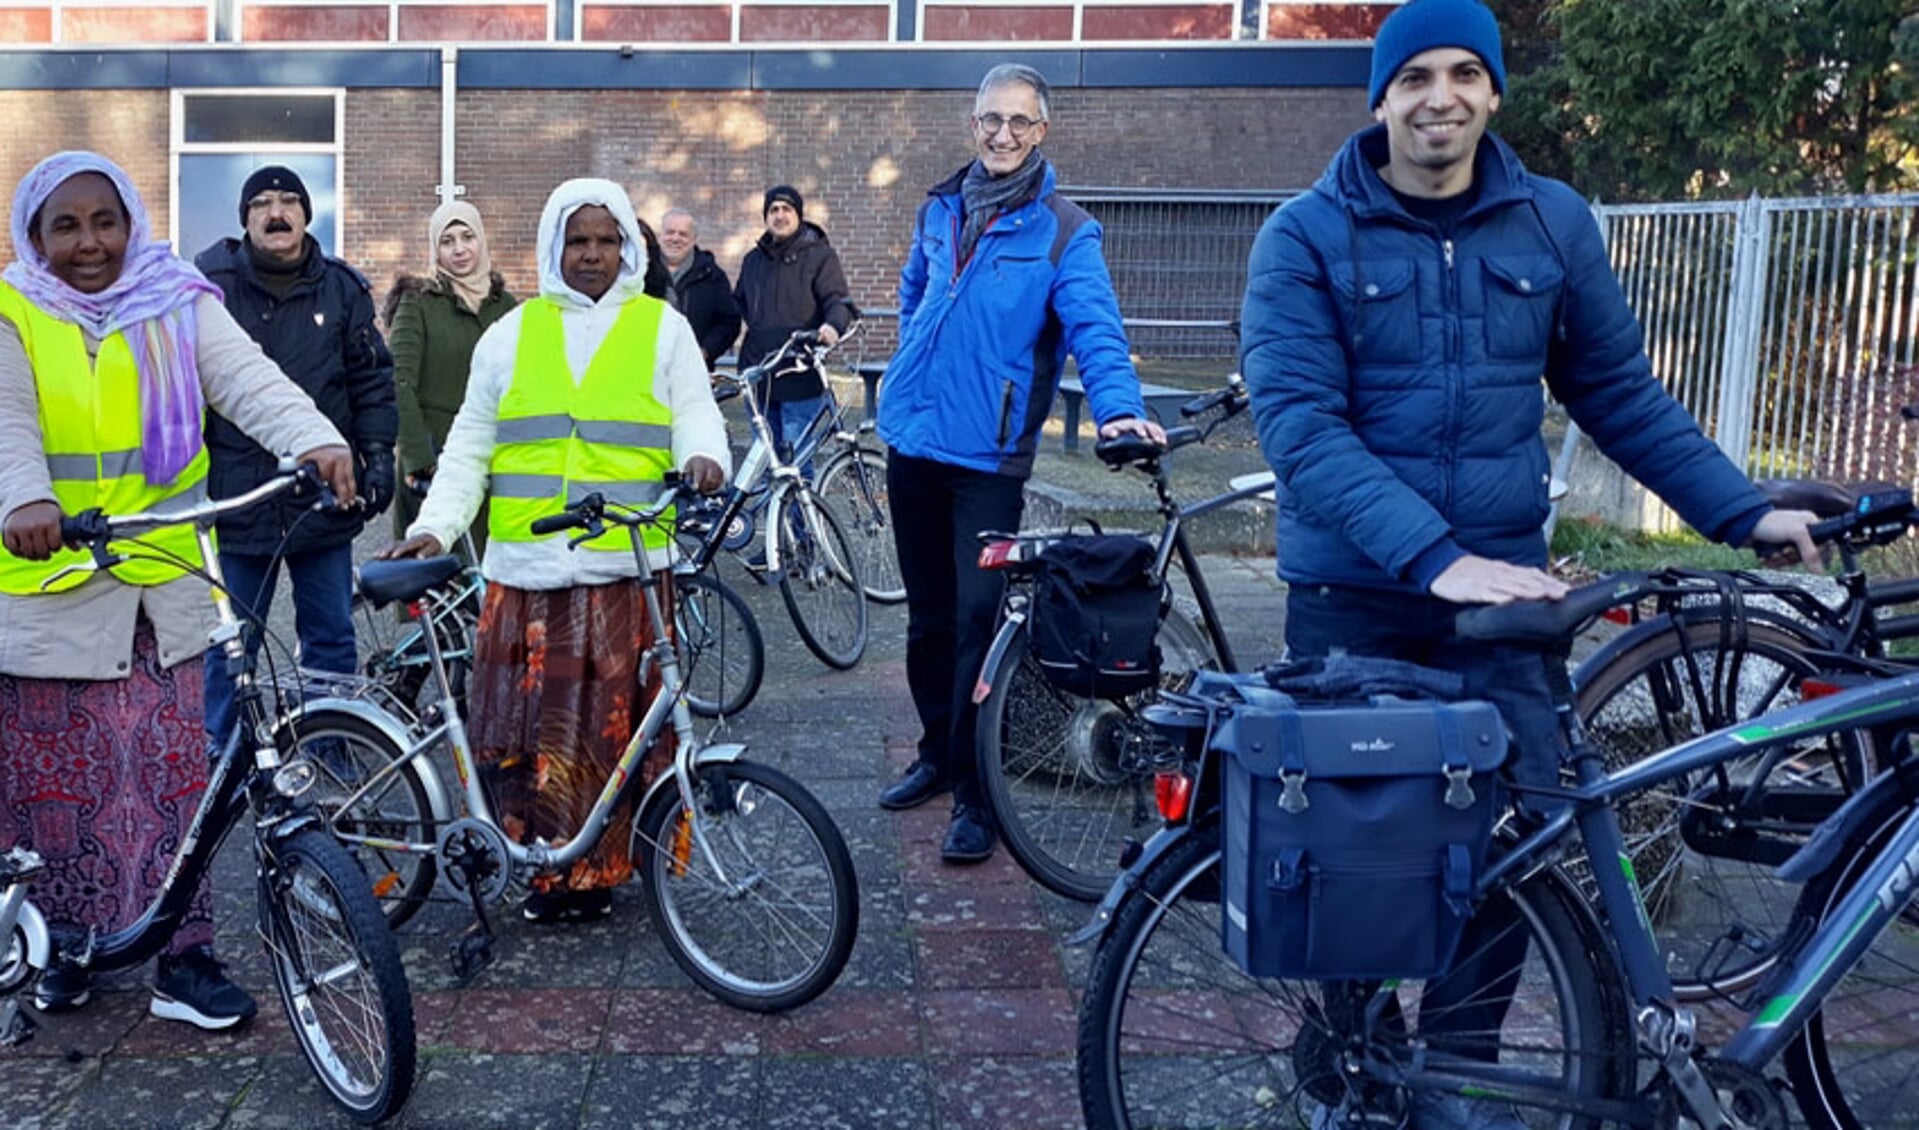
(863, 160)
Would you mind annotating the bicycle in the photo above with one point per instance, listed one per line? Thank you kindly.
(335, 964)
(1172, 1033)
(804, 546)
(1715, 652)
(1070, 780)
(745, 875)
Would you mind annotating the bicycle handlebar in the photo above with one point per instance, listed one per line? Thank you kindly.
(94, 528)
(591, 512)
(1876, 519)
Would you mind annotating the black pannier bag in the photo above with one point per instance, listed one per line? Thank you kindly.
(1096, 613)
(1354, 831)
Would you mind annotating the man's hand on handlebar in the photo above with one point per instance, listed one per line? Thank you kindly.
(703, 474)
(1481, 580)
(33, 531)
(1790, 528)
(1133, 425)
(829, 337)
(419, 545)
(335, 462)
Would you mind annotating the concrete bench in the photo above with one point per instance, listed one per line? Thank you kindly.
(869, 373)
(1162, 403)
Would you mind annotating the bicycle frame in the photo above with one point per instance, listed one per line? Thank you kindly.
(669, 704)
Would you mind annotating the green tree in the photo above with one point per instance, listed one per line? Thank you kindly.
(1669, 99)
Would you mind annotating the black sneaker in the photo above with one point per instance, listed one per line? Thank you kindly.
(62, 988)
(548, 907)
(969, 837)
(193, 987)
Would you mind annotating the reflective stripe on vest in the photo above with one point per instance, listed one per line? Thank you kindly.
(90, 430)
(559, 440)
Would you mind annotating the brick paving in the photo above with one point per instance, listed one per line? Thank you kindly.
(955, 1011)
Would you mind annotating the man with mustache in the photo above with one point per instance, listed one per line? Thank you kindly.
(1398, 321)
(313, 316)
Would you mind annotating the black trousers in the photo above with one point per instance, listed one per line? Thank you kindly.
(951, 603)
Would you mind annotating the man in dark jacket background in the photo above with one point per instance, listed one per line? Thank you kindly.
(790, 280)
(700, 289)
(313, 316)
(1397, 322)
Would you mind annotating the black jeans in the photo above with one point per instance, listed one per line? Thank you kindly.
(952, 604)
(1469, 1003)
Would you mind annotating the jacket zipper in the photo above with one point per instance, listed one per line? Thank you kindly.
(1456, 405)
(1005, 411)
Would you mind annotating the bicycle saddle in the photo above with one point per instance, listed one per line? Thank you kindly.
(1828, 500)
(383, 582)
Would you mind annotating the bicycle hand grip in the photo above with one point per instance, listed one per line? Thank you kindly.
(1822, 532)
(83, 528)
(554, 523)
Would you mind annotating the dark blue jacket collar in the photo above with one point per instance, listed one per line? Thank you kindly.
(1352, 179)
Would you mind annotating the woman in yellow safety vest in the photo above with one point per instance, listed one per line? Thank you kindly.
(111, 350)
(592, 385)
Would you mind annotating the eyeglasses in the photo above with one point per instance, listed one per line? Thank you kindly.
(1020, 124)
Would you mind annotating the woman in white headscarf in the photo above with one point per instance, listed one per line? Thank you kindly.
(432, 325)
(556, 689)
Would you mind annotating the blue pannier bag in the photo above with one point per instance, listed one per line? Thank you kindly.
(1354, 831)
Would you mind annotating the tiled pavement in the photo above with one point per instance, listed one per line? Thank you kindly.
(956, 1010)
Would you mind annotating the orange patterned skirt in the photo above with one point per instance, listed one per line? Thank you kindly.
(555, 696)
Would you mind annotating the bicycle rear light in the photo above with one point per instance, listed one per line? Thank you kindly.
(1173, 791)
(998, 554)
(1813, 688)
(1621, 615)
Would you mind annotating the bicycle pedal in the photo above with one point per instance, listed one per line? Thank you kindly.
(16, 1026)
(470, 954)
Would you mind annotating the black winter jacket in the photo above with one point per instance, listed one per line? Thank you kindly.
(791, 285)
(321, 334)
(705, 296)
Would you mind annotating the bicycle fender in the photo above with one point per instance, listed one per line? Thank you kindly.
(709, 755)
(33, 927)
(1125, 883)
(1860, 813)
(996, 654)
(394, 730)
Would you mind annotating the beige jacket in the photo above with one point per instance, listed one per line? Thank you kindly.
(87, 632)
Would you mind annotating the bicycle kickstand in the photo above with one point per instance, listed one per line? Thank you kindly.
(16, 1026)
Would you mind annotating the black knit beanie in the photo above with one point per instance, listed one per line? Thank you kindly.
(275, 177)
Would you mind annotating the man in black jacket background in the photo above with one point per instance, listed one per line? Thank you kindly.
(790, 280)
(313, 316)
(700, 289)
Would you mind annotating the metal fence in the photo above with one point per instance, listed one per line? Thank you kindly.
(1179, 263)
(1788, 327)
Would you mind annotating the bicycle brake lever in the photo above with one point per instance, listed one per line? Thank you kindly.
(102, 560)
(594, 529)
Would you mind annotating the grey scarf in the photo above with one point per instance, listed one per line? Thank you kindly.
(986, 196)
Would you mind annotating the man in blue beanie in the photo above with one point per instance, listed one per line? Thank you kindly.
(1397, 323)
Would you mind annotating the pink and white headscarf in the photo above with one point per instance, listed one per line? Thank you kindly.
(151, 303)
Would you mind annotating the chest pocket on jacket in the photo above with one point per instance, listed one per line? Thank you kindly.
(1019, 284)
(1521, 297)
(1381, 308)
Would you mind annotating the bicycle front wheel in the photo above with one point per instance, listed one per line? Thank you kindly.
(1704, 847)
(820, 581)
(722, 655)
(385, 819)
(1855, 1065)
(1070, 779)
(339, 975)
(1173, 1034)
(853, 483)
(753, 890)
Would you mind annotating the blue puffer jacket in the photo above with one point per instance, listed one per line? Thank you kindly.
(1395, 375)
(982, 342)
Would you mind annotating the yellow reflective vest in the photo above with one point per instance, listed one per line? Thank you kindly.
(90, 428)
(560, 440)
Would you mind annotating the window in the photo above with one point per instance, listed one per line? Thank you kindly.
(220, 137)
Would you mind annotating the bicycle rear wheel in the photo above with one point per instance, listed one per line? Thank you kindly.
(339, 975)
(389, 826)
(1173, 1034)
(1070, 779)
(722, 655)
(820, 580)
(772, 925)
(853, 483)
(1855, 1065)
(1704, 846)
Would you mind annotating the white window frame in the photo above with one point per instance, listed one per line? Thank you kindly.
(178, 145)
(393, 13)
